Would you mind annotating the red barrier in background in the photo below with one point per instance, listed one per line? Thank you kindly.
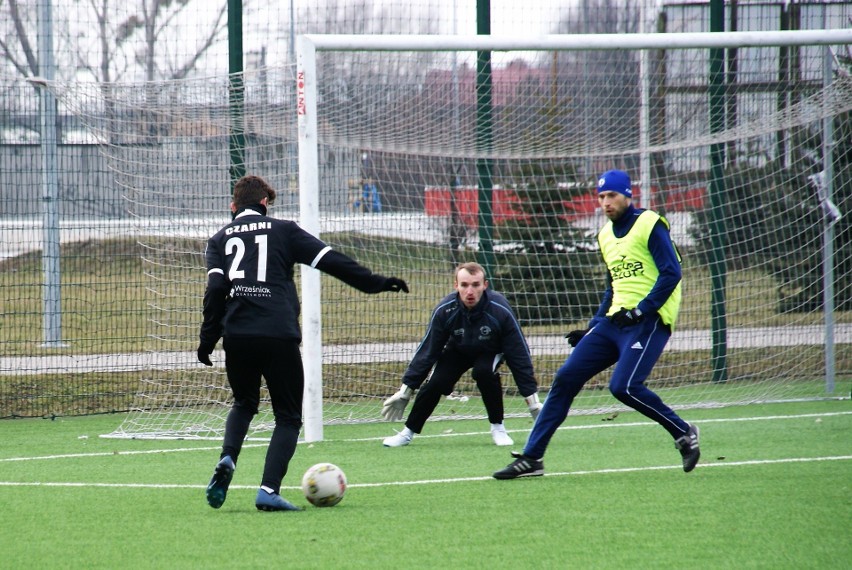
(504, 206)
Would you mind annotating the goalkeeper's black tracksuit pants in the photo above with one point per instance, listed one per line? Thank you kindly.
(449, 367)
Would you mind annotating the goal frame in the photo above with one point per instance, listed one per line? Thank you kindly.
(307, 47)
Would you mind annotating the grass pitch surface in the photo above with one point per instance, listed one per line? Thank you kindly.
(772, 490)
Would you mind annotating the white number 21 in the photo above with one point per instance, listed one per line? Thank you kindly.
(236, 247)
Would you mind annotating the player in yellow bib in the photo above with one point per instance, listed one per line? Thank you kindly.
(635, 319)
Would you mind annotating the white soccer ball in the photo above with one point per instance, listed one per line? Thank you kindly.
(324, 484)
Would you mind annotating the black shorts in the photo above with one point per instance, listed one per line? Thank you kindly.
(277, 361)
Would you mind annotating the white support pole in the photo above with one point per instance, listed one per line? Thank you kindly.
(644, 120)
(51, 261)
(306, 104)
(587, 42)
(826, 192)
(306, 49)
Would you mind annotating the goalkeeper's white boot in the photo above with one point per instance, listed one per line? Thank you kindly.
(499, 435)
(402, 438)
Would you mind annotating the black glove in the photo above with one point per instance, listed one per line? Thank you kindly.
(574, 337)
(394, 284)
(625, 318)
(204, 353)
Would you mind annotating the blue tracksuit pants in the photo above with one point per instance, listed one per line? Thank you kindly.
(634, 351)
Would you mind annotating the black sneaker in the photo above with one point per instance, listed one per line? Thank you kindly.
(688, 447)
(522, 466)
(217, 489)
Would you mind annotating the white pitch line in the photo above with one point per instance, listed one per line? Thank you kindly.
(450, 480)
(613, 425)
(117, 453)
(616, 470)
(427, 436)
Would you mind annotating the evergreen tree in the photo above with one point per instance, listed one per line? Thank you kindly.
(549, 269)
(775, 219)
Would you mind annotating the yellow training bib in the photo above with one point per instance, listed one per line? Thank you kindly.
(632, 267)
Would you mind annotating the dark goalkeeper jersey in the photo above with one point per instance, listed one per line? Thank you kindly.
(490, 327)
(250, 288)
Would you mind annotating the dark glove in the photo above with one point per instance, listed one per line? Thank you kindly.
(625, 318)
(394, 284)
(204, 353)
(575, 336)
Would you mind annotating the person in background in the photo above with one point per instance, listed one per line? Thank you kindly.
(251, 303)
(630, 329)
(472, 328)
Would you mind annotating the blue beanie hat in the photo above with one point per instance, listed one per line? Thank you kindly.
(616, 181)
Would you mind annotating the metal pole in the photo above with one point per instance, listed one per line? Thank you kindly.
(644, 119)
(51, 289)
(716, 190)
(456, 223)
(236, 90)
(292, 34)
(484, 133)
(832, 215)
(292, 147)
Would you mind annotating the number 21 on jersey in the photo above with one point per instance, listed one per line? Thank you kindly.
(237, 247)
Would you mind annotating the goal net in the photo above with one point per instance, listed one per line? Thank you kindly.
(412, 159)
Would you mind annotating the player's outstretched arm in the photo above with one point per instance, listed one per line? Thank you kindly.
(395, 284)
(356, 275)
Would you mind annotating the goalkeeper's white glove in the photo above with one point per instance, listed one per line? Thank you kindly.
(534, 405)
(394, 406)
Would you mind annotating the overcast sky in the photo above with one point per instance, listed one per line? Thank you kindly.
(510, 18)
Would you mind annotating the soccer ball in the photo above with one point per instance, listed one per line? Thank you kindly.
(324, 484)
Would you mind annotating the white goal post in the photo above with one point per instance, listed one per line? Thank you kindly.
(415, 153)
(310, 135)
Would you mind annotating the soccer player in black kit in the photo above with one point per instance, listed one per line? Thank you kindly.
(252, 304)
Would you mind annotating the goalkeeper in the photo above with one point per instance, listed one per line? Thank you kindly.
(630, 330)
(473, 327)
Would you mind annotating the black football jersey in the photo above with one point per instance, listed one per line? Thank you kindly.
(488, 328)
(250, 288)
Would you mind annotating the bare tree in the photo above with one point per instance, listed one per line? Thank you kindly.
(107, 50)
(604, 91)
(15, 45)
(158, 16)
